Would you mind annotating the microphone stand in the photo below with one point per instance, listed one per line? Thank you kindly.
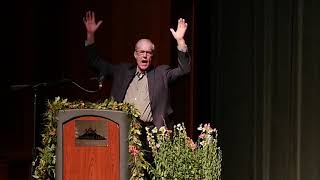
(36, 88)
(36, 127)
(20, 87)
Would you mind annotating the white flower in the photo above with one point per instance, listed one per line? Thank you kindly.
(200, 127)
(155, 130)
(162, 129)
(179, 127)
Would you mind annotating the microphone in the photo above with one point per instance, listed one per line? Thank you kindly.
(19, 86)
(100, 80)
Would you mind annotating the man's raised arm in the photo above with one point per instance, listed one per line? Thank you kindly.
(91, 26)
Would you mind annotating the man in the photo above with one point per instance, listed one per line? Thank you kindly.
(141, 84)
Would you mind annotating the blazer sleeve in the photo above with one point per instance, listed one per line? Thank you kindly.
(98, 64)
(182, 68)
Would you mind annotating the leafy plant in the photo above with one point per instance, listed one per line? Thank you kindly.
(45, 160)
(176, 156)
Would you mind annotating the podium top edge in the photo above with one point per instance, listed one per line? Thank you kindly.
(95, 110)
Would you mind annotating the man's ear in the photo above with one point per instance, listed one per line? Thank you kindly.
(135, 54)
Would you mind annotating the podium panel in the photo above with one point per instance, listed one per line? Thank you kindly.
(92, 145)
(91, 161)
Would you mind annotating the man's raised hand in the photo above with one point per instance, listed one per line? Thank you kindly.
(90, 22)
(181, 29)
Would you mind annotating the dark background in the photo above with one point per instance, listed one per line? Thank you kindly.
(255, 74)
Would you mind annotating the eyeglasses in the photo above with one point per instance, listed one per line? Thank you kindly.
(142, 52)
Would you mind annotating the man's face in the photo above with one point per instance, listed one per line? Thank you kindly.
(143, 54)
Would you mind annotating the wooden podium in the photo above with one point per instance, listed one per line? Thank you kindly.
(92, 145)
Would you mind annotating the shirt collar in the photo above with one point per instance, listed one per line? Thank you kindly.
(140, 73)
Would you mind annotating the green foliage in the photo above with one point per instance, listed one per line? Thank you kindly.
(44, 163)
(176, 156)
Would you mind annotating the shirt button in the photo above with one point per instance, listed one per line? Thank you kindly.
(135, 99)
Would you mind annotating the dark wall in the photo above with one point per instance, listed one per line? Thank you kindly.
(264, 93)
(309, 115)
(255, 74)
(44, 42)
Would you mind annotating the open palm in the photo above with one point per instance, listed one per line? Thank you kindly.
(181, 30)
(90, 22)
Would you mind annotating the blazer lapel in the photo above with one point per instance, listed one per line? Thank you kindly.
(151, 83)
(127, 80)
(130, 76)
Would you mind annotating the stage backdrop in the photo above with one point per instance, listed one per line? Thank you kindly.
(44, 42)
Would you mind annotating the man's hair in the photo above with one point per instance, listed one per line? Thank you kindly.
(145, 40)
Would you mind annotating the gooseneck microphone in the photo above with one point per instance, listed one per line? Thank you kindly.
(100, 80)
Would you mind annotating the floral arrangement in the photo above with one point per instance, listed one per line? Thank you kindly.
(45, 160)
(176, 156)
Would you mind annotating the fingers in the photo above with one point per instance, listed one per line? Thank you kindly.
(93, 17)
(172, 31)
(90, 16)
(99, 24)
(182, 23)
